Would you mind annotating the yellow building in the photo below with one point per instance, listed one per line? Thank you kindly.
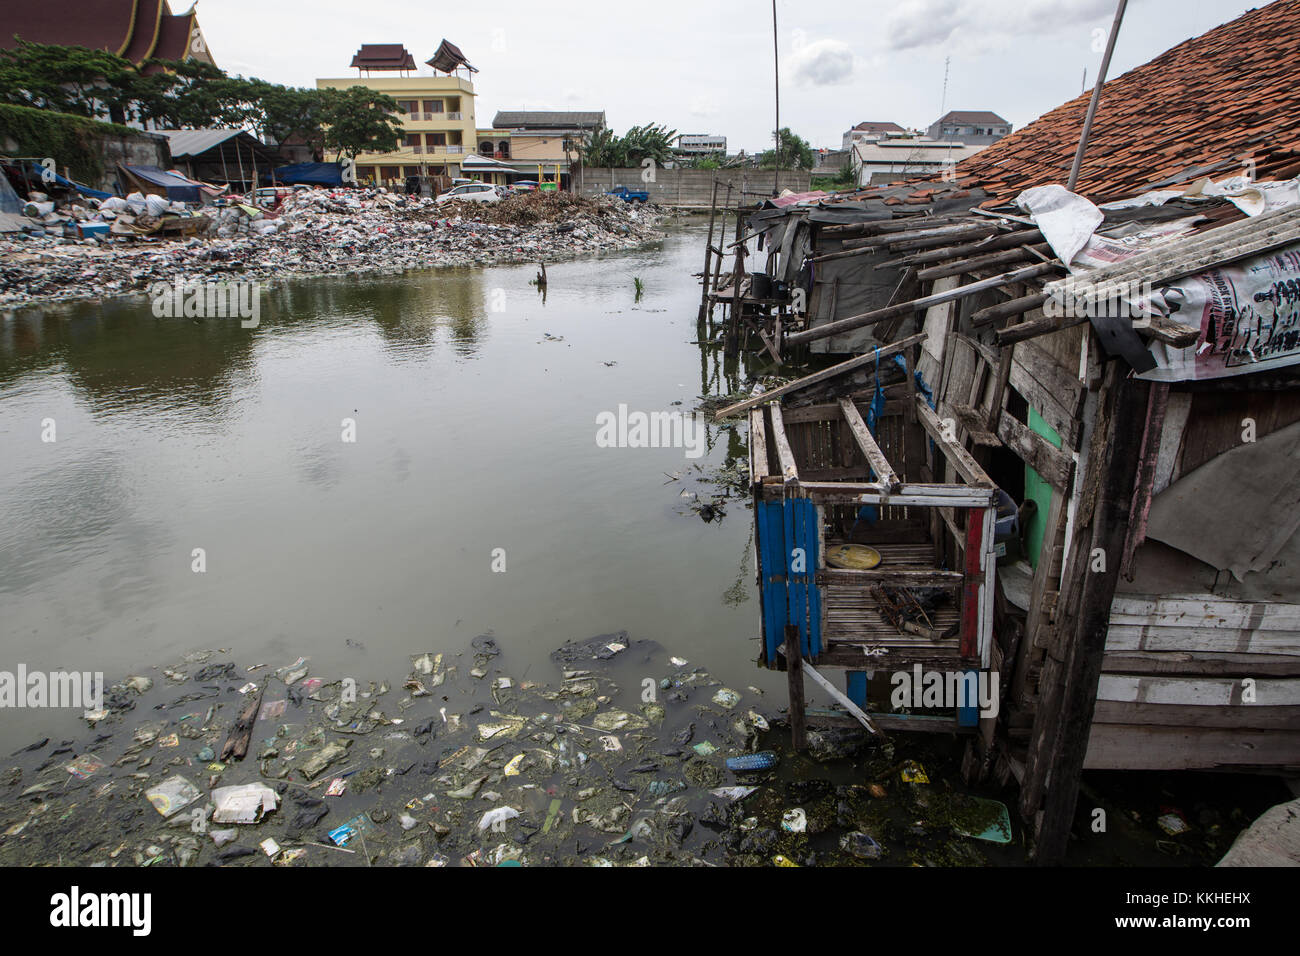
(539, 145)
(438, 111)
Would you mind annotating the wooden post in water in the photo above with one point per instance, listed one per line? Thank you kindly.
(794, 678)
(708, 255)
(717, 260)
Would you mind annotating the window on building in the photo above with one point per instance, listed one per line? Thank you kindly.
(413, 140)
(408, 106)
(503, 149)
(485, 149)
(437, 139)
(390, 172)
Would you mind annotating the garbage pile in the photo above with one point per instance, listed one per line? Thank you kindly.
(122, 246)
(629, 757)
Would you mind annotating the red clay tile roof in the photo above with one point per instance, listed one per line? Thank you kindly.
(1229, 93)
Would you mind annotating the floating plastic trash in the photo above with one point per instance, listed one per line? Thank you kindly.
(763, 760)
(998, 828)
(861, 845)
(794, 821)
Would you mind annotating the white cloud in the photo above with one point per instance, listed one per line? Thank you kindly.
(823, 63)
(988, 24)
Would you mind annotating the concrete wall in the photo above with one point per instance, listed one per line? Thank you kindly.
(99, 146)
(692, 187)
(145, 149)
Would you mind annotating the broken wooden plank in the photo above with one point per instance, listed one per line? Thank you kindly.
(1055, 466)
(859, 361)
(784, 453)
(919, 305)
(880, 465)
(841, 699)
(757, 446)
(956, 453)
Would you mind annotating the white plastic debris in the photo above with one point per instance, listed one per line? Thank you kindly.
(246, 803)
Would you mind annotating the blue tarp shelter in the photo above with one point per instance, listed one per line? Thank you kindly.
(159, 182)
(313, 174)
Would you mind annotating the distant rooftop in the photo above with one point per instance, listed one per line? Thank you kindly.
(383, 56)
(538, 120)
(976, 117)
(873, 126)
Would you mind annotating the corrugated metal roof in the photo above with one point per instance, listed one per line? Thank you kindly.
(191, 142)
(516, 119)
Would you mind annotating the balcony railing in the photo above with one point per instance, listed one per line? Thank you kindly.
(453, 116)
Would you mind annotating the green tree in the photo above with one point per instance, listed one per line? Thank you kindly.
(359, 120)
(606, 149)
(795, 153)
(68, 80)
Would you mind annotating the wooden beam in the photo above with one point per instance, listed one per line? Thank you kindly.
(1055, 466)
(893, 578)
(867, 444)
(784, 453)
(919, 305)
(955, 452)
(757, 446)
(842, 700)
(1087, 614)
(859, 361)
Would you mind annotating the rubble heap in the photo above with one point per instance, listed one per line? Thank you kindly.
(316, 232)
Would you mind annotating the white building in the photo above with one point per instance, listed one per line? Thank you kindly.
(701, 144)
(889, 160)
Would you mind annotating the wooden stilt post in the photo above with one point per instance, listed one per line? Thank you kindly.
(794, 677)
(1063, 722)
(708, 255)
(733, 320)
(717, 260)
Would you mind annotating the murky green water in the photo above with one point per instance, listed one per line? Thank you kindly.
(475, 404)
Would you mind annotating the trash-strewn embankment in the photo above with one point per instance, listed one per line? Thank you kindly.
(622, 759)
(315, 232)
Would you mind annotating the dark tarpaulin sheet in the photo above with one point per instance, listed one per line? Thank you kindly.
(313, 174)
(159, 182)
(1237, 512)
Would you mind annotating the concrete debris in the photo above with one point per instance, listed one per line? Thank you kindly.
(84, 252)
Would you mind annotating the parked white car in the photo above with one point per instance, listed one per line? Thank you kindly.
(474, 192)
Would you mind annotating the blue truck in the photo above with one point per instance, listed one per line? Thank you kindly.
(629, 195)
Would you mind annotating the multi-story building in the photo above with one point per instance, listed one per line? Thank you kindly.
(972, 127)
(541, 144)
(870, 130)
(438, 130)
(692, 145)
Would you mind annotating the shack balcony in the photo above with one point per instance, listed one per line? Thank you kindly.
(877, 565)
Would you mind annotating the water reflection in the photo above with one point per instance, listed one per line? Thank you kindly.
(475, 430)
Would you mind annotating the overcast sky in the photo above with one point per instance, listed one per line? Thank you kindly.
(705, 66)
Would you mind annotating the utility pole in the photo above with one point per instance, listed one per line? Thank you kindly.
(776, 77)
(1096, 96)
